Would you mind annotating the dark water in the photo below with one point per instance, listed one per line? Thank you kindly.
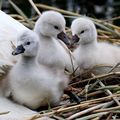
(101, 9)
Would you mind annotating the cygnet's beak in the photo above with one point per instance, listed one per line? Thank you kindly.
(75, 39)
(62, 36)
(19, 49)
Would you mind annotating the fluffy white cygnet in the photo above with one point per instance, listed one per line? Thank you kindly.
(9, 29)
(30, 83)
(90, 53)
(51, 30)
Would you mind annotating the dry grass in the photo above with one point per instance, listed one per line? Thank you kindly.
(100, 94)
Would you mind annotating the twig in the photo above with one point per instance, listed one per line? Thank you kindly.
(105, 106)
(34, 6)
(108, 109)
(109, 116)
(100, 99)
(89, 117)
(94, 93)
(13, 46)
(112, 19)
(66, 109)
(17, 16)
(108, 87)
(58, 118)
(57, 9)
(85, 111)
(114, 67)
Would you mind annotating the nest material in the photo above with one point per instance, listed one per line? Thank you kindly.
(99, 94)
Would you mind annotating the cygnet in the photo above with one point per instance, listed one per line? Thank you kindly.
(50, 28)
(90, 53)
(29, 83)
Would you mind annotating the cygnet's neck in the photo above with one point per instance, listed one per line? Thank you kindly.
(27, 60)
(47, 38)
(89, 45)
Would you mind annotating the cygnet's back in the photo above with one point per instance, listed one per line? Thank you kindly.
(51, 30)
(30, 83)
(90, 53)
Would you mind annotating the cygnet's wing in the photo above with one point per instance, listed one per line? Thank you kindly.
(9, 29)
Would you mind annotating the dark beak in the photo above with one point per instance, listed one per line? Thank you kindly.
(19, 49)
(75, 39)
(62, 36)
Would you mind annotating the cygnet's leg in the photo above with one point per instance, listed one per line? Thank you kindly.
(16, 112)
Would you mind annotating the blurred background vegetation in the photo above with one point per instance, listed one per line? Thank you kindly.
(100, 9)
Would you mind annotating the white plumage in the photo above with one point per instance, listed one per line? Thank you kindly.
(90, 53)
(13, 111)
(16, 112)
(30, 83)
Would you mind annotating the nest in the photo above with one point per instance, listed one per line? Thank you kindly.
(97, 96)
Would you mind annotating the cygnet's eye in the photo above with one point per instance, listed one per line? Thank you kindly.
(28, 43)
(56, 27)
(82, 31)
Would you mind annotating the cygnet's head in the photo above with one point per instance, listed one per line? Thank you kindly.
(51, 24)
(83, 31)
(27, 44)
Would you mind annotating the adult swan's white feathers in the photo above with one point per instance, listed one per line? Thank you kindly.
(90, 53)
(15, 111)
(9, 29)
(30, 83)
